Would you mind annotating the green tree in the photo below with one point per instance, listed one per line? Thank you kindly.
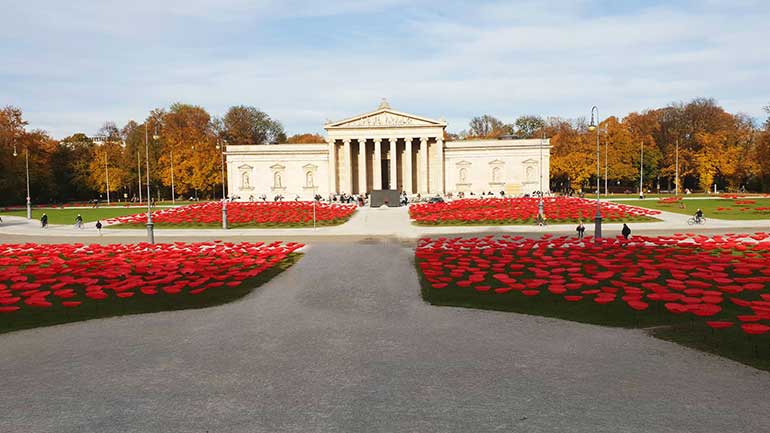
(528, 126)
(245, 125)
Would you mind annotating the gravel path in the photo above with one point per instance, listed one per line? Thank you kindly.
(343, 343)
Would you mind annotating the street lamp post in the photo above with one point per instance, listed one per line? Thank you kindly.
(173, 190)
(26, 163)
(106, 173)
(224, 193)
(606, 159)
(676, 181)
(641, 173)
(139, 171)
(540, 205)
(594, 126)
(150, 232)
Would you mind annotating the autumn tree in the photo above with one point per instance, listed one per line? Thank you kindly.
(573, 158)
(244, 125)
(306, 139)
(107, 167)
(189, 144)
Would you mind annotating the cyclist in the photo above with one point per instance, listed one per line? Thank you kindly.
(698, 216)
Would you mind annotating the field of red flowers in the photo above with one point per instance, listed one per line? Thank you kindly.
(709, 285)
(252, 214)
(42, 284)
(523, 211)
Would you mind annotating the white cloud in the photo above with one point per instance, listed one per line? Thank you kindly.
(437, 59)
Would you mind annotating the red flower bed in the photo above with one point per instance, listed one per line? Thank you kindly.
(519, 210)
(41, 276)
(669, 200)
(267, 213)
(725, 279)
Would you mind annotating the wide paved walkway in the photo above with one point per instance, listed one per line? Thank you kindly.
(343, 343)
(378, 222)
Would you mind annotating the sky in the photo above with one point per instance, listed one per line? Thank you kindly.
(71, 66)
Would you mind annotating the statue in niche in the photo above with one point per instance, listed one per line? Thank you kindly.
(277, 180)
(496, 175)
(309, 179)
(530, 173)
(463, 175)
(245, 180)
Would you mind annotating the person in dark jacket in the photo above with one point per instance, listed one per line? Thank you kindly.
(626, 231)
(99, 227)
(44, 221)
(581, 229)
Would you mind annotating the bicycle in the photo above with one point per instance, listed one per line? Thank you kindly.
(693, 221)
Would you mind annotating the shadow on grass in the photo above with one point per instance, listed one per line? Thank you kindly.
(687, 330)
(139, 303)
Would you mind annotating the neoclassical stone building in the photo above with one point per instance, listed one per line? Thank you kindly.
(388, 149)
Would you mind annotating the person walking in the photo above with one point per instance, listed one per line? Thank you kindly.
(79, 222)
(626, 232)
(581, 229)
(99, 227)
(44, 221)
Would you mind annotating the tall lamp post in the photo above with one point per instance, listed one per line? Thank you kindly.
(150, 232)
(26, 162)
(594, 126)
(641, 173)
(173, 190)
(106, 173)
(221, 150)
(676, 181)
(606, 159)
(540, 205)
(139, 171)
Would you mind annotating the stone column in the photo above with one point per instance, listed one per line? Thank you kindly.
(347, 168)
(439, 168)
(377, 164)
(393, 163)
(423, 175)
(408, 166)
(361, 165)
(332, 167)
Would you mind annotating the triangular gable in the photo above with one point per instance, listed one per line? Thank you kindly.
(384, 118)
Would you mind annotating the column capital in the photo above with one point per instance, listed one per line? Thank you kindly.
(393, 139)
(377, 140)
(362, 140)
(345, 141)
(424, 139)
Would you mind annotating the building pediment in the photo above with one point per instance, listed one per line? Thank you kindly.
(529, 161)
(277, 166)
(384, 117)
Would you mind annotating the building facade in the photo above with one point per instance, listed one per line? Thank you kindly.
(388, 149)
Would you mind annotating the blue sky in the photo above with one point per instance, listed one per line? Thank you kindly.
(73, 65)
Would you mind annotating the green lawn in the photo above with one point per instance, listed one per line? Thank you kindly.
(67, 216)
(710, 207)
(682, 329)
(33, 318)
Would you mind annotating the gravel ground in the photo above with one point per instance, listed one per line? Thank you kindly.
(343, 343)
